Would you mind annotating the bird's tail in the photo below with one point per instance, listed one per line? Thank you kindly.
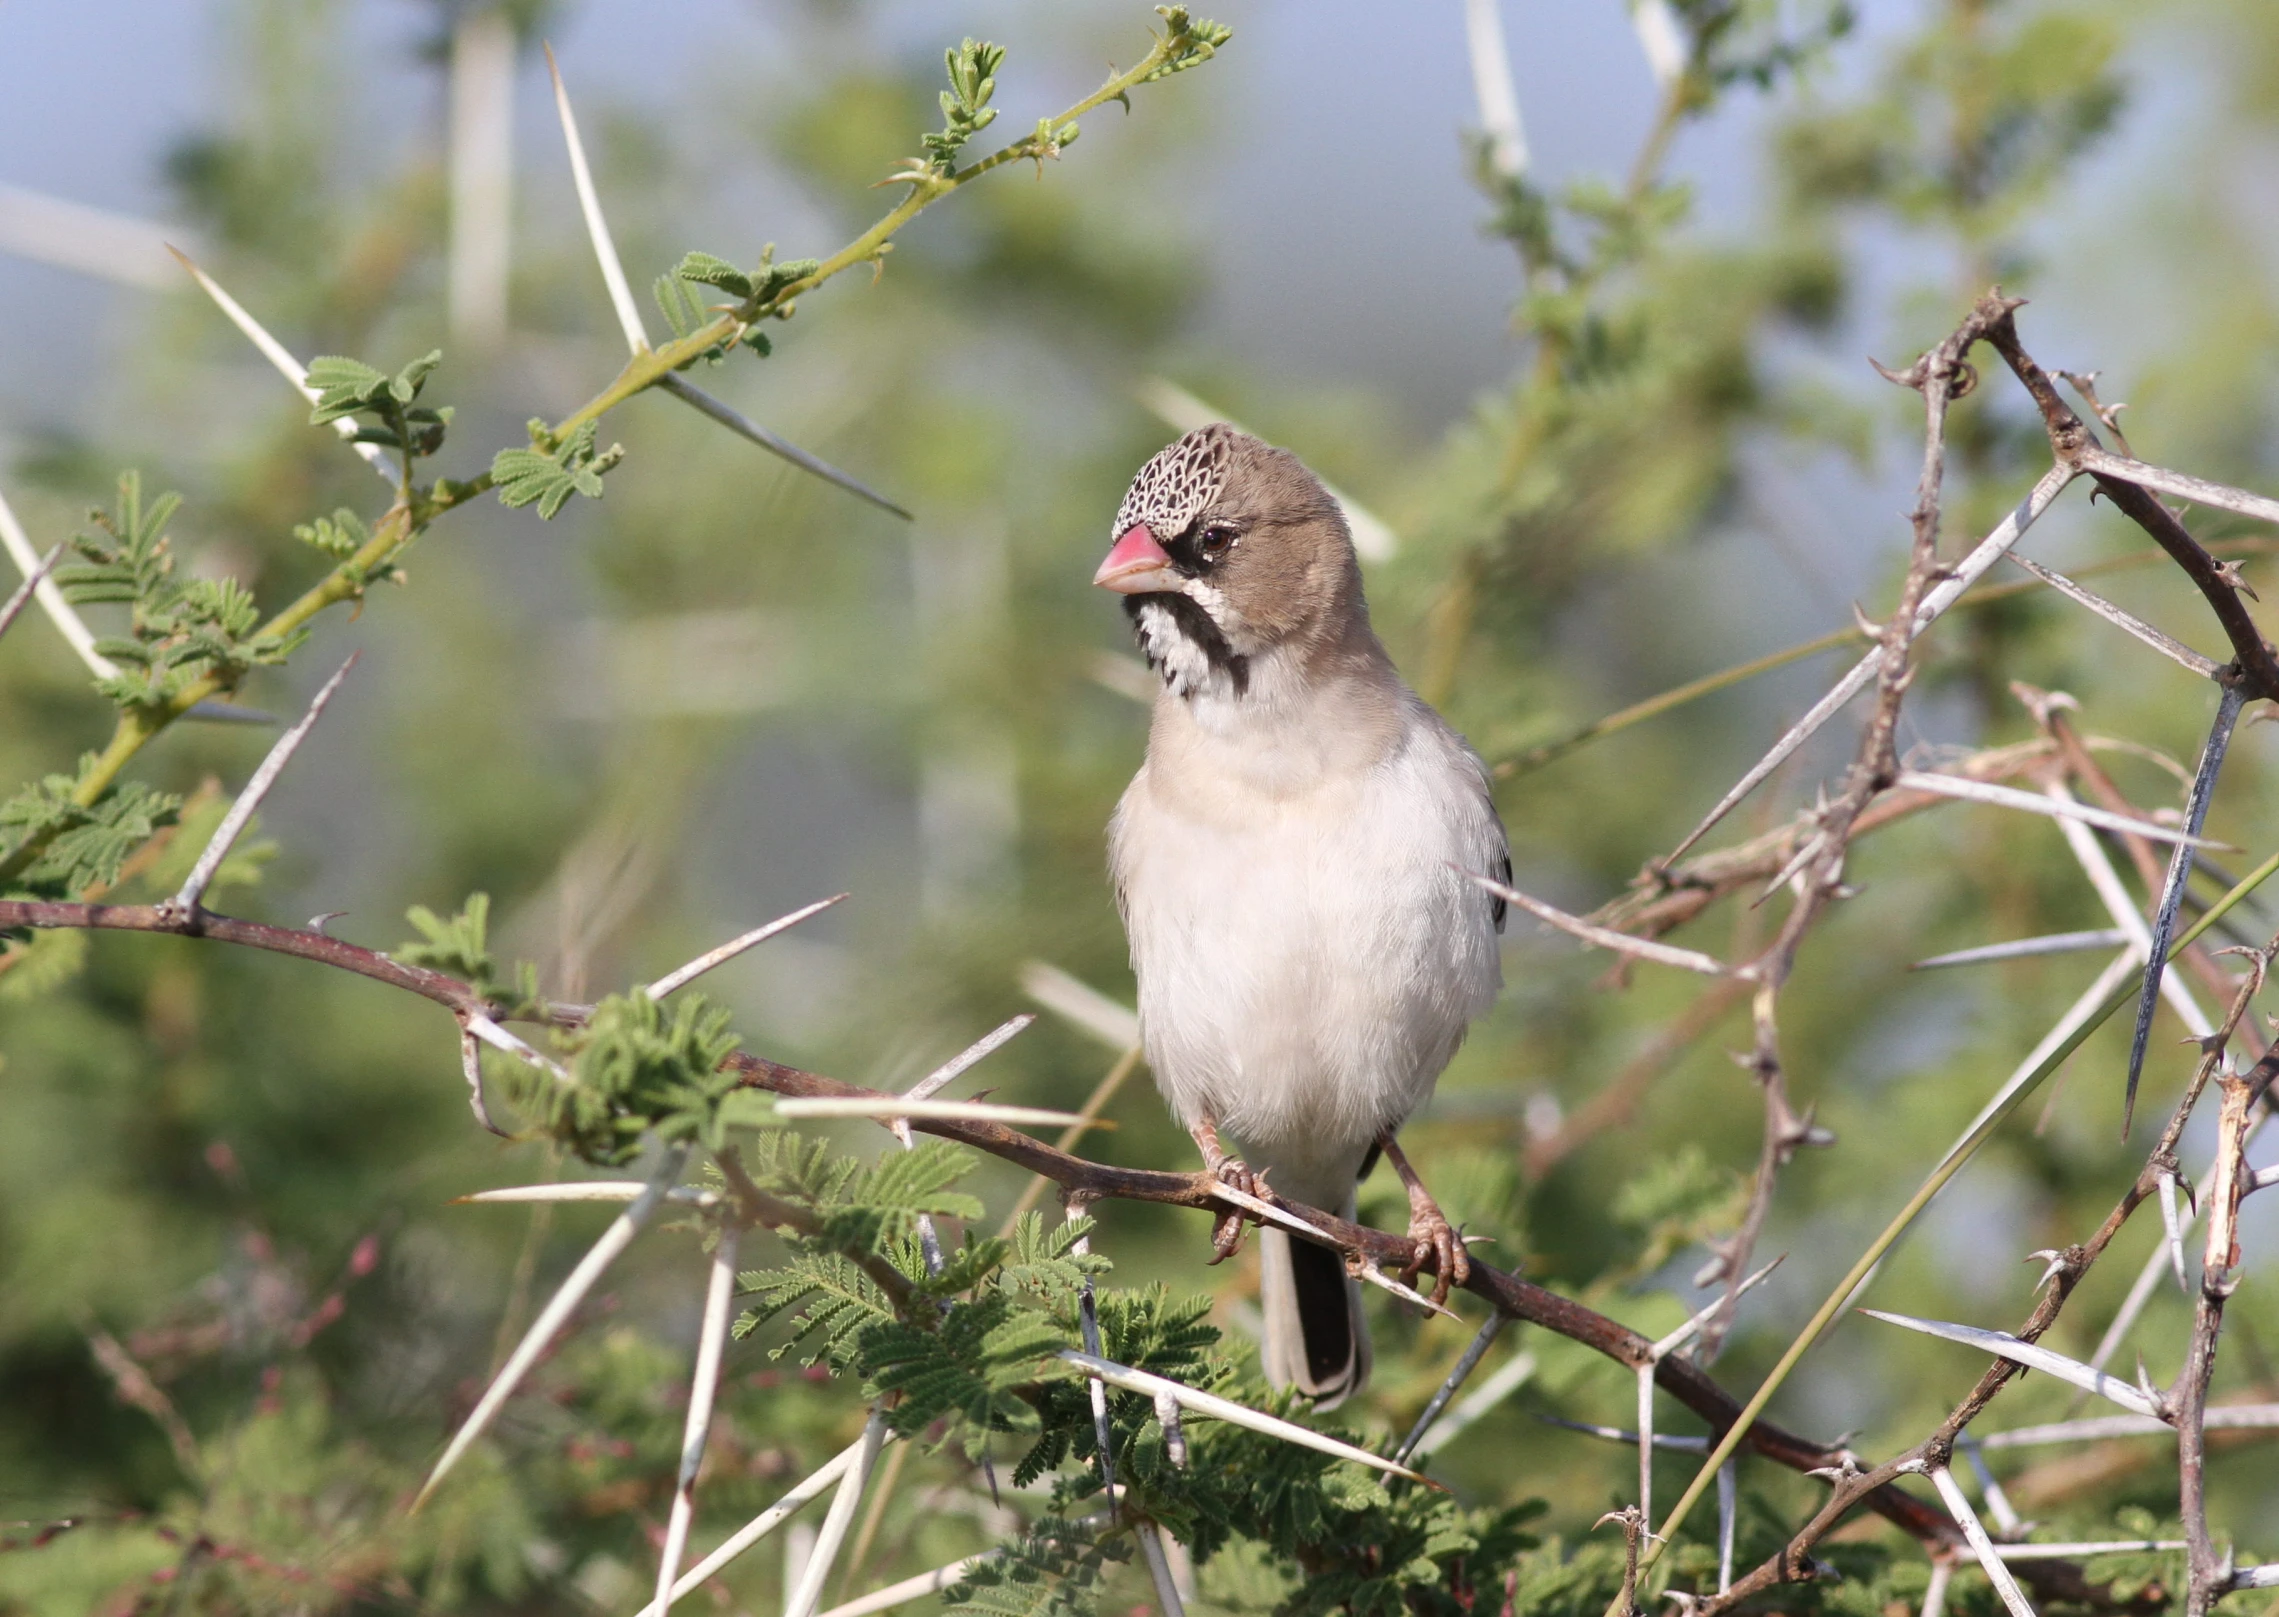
(1315, 1338)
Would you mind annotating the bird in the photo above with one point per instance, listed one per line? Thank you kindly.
(1294, 864)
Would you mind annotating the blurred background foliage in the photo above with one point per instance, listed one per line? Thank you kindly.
(726, 689)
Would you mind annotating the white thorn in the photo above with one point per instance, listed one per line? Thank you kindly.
(1482, 1340)
(2180, 484)
(1692, 1327)
(1159, 1569)
(1981, 1545)
(1203, 1403)
(971, 1056)
(2109, 937)
(1936, 600)
(704, 1388)
(2174, 650)
(810, 1589)
(766, 1522)
(2173, 1227)
(2031, 1354)
(1493, 89)
(1646, 1448)
(471, 1065)
(1604, 937)
(556, 1313)
(2090, 853)
(1662, 38)
(68, 623)
(482, 174)
(673, 981)
(909, 1589)
(1728, 1512)
(2099, 1428)
(1114, 1025)
(34, 576)
(1935, 1592)
(2054, 807)
(1989, 1487)
(589, 203)
(1478, 1402)
(885, 1108)
(498, 1038)
(241, 812)
(287, 366)
(592, 1190)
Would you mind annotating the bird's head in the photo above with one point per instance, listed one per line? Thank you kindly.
(1225, 550)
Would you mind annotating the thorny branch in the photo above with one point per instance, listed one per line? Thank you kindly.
(1941, 376)
(1511, 1295)
(2067, 1269)
(1816, 847)
(1809, 857)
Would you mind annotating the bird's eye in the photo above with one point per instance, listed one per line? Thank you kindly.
(1215, 541)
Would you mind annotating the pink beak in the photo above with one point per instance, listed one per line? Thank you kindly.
(1137, 565)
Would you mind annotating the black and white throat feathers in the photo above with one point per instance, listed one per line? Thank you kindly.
(1184, 634)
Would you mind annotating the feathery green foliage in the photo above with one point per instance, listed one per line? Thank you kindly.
(202, 1144)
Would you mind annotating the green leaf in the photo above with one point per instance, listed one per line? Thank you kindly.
(706, 270)
(408, 381)
(88, 844)
(343, 386)
(340, 535)
(533, 477)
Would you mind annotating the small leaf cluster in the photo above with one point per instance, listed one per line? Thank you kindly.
(178, 632)
(638, 1068)
(757, 292)
(349, 387)
(460, 947)
(1188, 42)
(547, 474)
(1345, 1539)
(1052, 1570)
(1757, 42)
(86, 844)
(341, 536)
(860, 1212)
(965, 104)
(970, 1351)
(970, 1355)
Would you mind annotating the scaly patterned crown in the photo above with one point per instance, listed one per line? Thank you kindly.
(1179, 484)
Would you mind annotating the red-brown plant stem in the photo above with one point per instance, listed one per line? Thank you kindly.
(1518, 1298)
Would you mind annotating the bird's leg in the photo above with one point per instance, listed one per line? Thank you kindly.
(1429, 1229)
(1226, 1235)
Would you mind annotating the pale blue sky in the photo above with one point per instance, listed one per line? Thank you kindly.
(1339, 155)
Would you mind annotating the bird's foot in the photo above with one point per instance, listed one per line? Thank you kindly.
(1226, 1234)
(1438, 1242)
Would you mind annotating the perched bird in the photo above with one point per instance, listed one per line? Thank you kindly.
(1291, 864)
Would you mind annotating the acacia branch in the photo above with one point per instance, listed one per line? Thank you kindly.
(2075, 443)
(1508, 1293)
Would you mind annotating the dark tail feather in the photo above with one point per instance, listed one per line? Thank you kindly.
(1315, 1338)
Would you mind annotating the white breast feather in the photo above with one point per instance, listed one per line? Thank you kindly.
(1308, 959)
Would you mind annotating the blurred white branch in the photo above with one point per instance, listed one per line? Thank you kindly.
(1492, 87)
(482, 175)
(111, 246)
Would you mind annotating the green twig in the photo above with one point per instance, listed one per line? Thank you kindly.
(416, 508)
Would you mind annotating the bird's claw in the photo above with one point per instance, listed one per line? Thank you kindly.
(1226, 1234)
(1435, 1241)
